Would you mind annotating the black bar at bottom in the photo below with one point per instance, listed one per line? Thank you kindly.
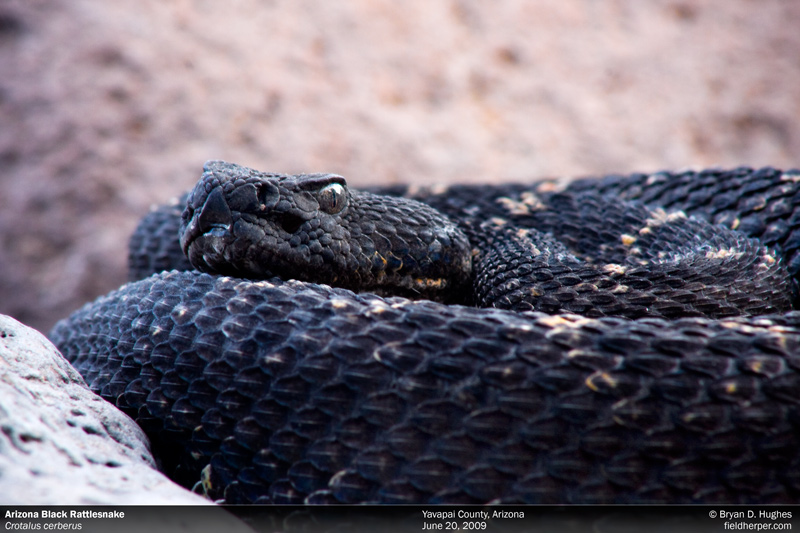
(402, 518)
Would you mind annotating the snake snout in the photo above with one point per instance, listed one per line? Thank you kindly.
(213, 218)
(215, 213)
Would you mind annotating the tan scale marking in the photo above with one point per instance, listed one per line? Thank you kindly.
(690, 417)
(602, 376)
(205, 478)
(554, 321)
(521, 327)
(782, 342)
(430, 283)
(512, 206)
(790, 177)
(575, 352)
(659, 217)
(530, 199)
(523, 233)
(724, 253)
(380, 257)
(339, 303)
(744, 328)
(627, 240)
(613, 268)
(398, 259)
(508, 371)
(761, 205)
(549, 186)
(763, 322)
(376, 307)
(620, 405)
(554, 185)
(565, 321)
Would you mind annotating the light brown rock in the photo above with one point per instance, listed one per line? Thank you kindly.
(62, 444)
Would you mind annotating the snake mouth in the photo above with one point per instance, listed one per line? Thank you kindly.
(193, 233)
(206, 250)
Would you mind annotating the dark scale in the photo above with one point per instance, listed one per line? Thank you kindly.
(678, 382)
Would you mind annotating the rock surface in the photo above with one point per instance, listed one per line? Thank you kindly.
(110, 106)
(62, 444)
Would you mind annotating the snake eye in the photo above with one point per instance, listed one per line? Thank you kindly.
(332, 198)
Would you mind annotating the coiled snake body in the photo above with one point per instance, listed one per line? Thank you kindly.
(584, 349)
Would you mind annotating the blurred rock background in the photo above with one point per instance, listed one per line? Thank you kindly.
(109, 107)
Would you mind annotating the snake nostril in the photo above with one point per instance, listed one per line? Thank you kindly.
(290, 223)
(268, 195)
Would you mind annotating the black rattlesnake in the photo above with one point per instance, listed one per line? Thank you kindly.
(666, 390)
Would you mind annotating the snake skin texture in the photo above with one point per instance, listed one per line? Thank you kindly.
(280, 391)
(155, 248)
(759, 203)
(294, 392)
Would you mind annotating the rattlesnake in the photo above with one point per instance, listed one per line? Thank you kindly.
(666, 388)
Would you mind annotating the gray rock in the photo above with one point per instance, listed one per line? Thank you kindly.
(62, 444)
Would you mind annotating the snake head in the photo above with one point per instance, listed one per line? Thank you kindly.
(240, 221)
(313, 227)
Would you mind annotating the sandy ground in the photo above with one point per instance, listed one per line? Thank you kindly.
(109, 107)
